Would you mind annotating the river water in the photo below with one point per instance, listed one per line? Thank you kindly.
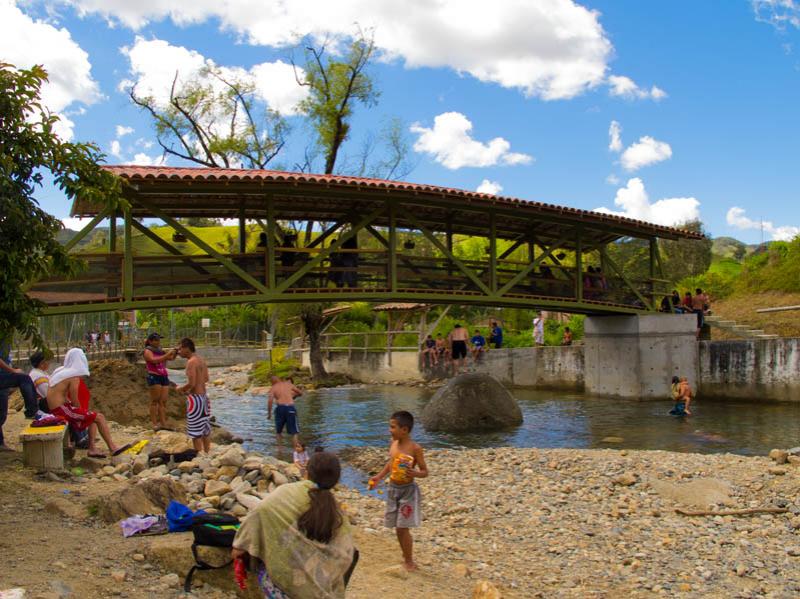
(358, 416)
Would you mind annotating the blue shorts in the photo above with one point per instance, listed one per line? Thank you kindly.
(286, 416)
(157, 379)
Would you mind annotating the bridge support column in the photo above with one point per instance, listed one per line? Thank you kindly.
(637, 356)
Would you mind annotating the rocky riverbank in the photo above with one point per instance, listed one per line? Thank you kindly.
(602, 523)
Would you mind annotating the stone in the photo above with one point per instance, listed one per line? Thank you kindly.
(232, 457)
(227, 471)
(119, 575)
(138, 557)
(780, 456)
(140, 463)
(248, 501)
(612, 440)
(108, 470)
(216, 487)
(279, 478)
(170, 580)
(145, 497)
(626, 479)
(238, 510)
(777, 471)
(485, 590)
(123, 458)
(241, 487)
(119, 478)
(65, 508)
(701, 492)
(252, 475)
(186, 466)
(461, 571)
(395, 572)
(471, 402)
(122, 468)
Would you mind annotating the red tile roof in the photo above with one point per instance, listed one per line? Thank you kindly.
(135, 173)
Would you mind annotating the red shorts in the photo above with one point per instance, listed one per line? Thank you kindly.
(78, 418)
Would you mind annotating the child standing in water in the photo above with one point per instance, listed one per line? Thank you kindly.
(300, 457)
(403, 500)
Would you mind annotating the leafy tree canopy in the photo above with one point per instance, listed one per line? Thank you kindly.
(30, 150)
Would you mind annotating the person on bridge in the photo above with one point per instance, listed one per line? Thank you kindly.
(458, 347)
(157, 379)
(478, 343)
(282, 393)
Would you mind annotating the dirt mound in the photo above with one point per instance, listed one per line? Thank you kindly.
(146, 497)
(120, 392)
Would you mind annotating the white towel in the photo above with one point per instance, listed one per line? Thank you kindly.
(75, 364)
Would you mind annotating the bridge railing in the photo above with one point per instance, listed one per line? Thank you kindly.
(204, 275)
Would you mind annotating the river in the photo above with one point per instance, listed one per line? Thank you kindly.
(357, 416)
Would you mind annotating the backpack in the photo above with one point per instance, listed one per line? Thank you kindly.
(210, 530)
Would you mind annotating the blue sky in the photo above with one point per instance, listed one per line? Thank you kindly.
(512, 97)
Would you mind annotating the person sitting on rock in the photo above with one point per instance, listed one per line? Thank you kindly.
(429, 353)
(297, 539)
(65, 383)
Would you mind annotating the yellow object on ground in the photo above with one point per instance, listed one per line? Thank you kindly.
(43, 430)
(135, 449)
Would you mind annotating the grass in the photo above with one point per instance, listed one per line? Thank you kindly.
(742, 308)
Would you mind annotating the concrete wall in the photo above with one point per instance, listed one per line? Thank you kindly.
(636, 356)
(403, 367)
(226, 356)
(763, 369)
(545, 367)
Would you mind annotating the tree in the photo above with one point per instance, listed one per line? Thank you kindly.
(215, 120)
(29, 149)
(686, 257)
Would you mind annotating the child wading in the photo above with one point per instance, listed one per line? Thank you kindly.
(403, 500)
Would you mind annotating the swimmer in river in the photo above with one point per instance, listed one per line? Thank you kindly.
(682, 395)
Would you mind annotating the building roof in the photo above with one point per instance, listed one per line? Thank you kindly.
(401, 307)
(225, 193)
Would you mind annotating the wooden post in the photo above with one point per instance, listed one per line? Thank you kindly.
(127, 269)
(270, 259)
(578, 265)
(242, 229)
(112, 233)
(492, 251)
(392, 248)
(653, 253)
(389, 338)
(449, 242)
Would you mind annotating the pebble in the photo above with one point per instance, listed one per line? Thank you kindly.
(119, 575)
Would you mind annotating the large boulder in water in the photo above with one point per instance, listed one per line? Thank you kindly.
(472, 402)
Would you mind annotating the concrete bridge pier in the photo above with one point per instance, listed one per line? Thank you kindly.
(636, 356)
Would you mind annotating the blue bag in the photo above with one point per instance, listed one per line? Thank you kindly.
(180, 517)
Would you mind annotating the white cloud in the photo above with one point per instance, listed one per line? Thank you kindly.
(143, 159)
(553, 49)
(625, 87)
(491, 187)
(612, 179)
(122, 131)
(614, 139)
(451, 145)
(25, 42)
(645, 152)
(777, 13)
(635, 203)
(75, 224)
(116, 149)
(155, 63)
(736, 218)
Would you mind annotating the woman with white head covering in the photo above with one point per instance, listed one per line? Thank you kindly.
(66, 381)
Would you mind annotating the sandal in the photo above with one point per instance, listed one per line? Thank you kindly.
(119, 450)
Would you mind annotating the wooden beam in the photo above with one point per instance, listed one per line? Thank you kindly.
(448, 254)
(242, 230)
(625, 280)
(270, 265)
(529, 268)
(578, 265)
(112, 233)
(325, 253)
(325, 234)
(242, 274)
(492, 251)
(75, 239)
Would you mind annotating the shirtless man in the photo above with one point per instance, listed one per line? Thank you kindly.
(282, 393)
(66, 380)
(198, 410)
(685, 394)
(458, 343)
